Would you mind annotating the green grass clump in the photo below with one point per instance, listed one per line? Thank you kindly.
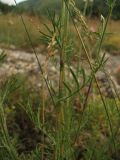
(23, 122)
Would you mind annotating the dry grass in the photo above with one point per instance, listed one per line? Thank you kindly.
(12, 31)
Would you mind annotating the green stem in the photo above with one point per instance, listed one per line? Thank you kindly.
(91, 67)
(61, 113)
(64, 34)
(104, 30)
(85, 7)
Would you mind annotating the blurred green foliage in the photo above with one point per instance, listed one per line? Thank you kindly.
(94, 8)
(39, 7)
(4, 8)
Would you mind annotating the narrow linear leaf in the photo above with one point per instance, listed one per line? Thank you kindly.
(68, 88)
(75, 77)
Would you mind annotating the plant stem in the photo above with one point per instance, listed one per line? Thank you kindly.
(43, 118)
(61, 112)
(85, 7)
(64, 33)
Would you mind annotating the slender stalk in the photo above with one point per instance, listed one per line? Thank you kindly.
(91, 67)
(85, 7)
(36, 55)
(64, 34)
(61, 112)
(43, 118)
(104, 30)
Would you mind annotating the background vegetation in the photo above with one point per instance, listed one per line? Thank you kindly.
(38, 7)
